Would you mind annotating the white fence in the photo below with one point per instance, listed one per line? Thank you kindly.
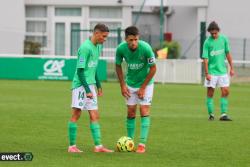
(168, 71)
(178, 71)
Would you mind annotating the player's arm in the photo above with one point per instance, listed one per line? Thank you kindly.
(124, 88)
(141, 91)
(205, 63)
(98, 85)
(119, 72)
(230, 62)
(81, 66)
(229, 57)
(80, 73)
(151, 62)
(205, 60)
(150, 75)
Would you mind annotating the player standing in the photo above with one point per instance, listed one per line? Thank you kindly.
(84, 95)
(139, 86)
(215, 49)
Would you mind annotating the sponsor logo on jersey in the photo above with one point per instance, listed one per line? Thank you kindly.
(81, 60)
(142, 58)
(217, 52)
(135, 66)
(92, 64)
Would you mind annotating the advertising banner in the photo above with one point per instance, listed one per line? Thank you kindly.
(30, 68)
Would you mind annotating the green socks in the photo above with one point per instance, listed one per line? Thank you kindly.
(131, 127)
(96, 133)
(210, 105)
(223, 105)
(95, 130)
(145, 123)
(72, 132)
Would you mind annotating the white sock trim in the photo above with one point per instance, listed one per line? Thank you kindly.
(99, 146)
(224, 114)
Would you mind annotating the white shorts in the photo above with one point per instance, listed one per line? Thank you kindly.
(217, 80)
(134, 99)
(79, 99)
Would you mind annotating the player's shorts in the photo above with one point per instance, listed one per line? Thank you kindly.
(218, 80)
(80, 100)
(134, 99)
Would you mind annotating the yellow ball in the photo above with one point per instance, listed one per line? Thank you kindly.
(125, 144)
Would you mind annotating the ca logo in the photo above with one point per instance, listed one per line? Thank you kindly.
(53, 67)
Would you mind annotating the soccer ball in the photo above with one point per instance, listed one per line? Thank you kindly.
(125, 144)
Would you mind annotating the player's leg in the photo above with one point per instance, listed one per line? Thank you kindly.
(210, 93)
(72, 126)
(92, 107)
(96, 132)
(224, 100)
(210, 103)
(145, 104)
(145, 125)
(95, 127)
(77, 101)
(130, 123)
(224, 85)
(72, 130)
(131, 112)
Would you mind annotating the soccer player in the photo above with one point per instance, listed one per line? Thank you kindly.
(215, 50)
(84, 96)
(139, 86)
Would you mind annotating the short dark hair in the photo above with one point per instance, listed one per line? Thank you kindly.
(101, 27)
(213, 26)
(131, 30)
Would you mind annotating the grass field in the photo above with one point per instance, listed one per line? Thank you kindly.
(34, 116)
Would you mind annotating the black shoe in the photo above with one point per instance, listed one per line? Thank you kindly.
(225, 118)
(211, 118)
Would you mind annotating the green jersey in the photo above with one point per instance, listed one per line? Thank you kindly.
(215, 50)
(88, 55)
(138, 62)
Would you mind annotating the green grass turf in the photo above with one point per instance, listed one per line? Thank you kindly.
(34, 117)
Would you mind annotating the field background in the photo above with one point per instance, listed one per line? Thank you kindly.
(34, 116)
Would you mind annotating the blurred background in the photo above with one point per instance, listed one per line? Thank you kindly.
(55, 29)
